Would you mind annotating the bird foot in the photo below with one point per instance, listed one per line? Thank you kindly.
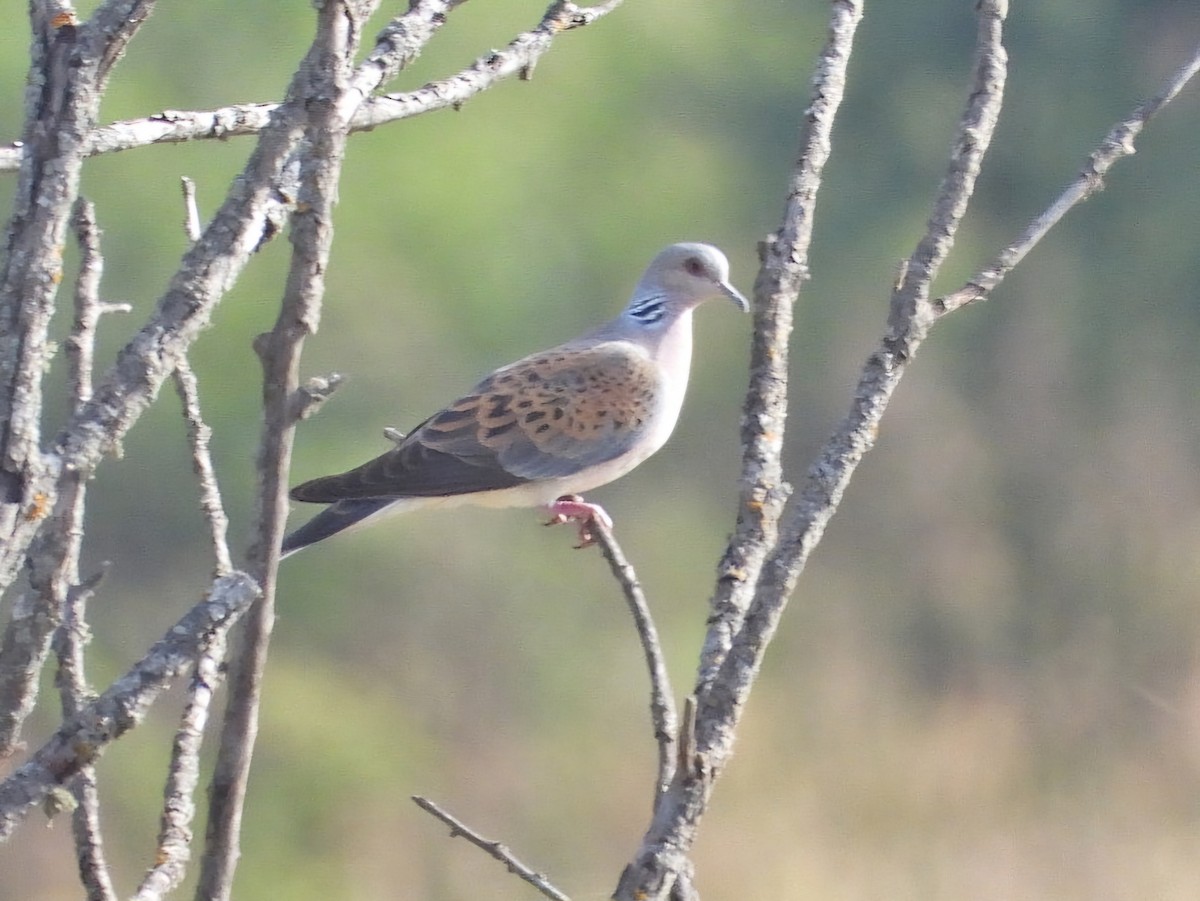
(573, 508)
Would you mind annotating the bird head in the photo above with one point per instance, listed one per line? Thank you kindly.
(681, 277)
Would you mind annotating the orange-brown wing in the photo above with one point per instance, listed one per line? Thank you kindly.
(547, 416)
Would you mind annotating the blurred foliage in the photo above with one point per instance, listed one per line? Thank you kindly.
(988, 685)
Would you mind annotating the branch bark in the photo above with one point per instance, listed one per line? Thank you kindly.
(497, 850)
(81, 740)
(325, 93)
(737, 641)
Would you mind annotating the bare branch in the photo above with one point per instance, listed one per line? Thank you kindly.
(397, 45)
(165, 127)
(89, 847)
(179, 806)
(84, 737)
(519, 57)
(54, 558)
(191, 214)
(314, 392)
(662, 702)
(111, 28)
(61, 105)
(459, 829)
(70, 640)
(320, 91)
(827, 478)
(1117, 144)
(654, 873)
(908, 323)
(784, 269)
(23, 653)
(199, 435)
(209, 267)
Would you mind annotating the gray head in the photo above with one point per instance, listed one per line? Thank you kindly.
(679, 278)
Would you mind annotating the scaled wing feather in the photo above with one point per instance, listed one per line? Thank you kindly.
(546, 416)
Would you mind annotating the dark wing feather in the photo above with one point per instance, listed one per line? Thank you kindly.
(547, 416)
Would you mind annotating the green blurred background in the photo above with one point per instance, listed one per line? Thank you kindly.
(988, 685)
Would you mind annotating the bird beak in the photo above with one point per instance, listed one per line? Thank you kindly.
(733, 294)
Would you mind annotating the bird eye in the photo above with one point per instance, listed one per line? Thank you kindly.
(693, 266)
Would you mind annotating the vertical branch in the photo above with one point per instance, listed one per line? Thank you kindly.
(173, 849)
(70, 640)
(725, 679)
(784, 269)
(69, 65)
(199, 435)
(910, 316)
(65, 532)
(322, 86)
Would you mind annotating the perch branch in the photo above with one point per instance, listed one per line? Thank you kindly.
(662, 701)
(459, 829)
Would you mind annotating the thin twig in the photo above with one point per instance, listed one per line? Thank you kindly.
(191, 213)
(319, 91)
(82, 739)
(662, 700)
(179, 807)
(1117, 144)
(459, 829)
(314, 392)
(521, 55)
(54, 558)
(89, 848)
(70, 640)
(199, 435)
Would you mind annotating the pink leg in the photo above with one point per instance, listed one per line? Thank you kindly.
(573, 508)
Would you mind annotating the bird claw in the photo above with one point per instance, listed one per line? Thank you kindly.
(573, 508)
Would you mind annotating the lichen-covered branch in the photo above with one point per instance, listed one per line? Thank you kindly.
(784, 269)
(397, 45)
(173, 849)
(725, 680)
(323, 91)
(84, 737)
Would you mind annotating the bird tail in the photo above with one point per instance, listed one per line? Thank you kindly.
(335, 518)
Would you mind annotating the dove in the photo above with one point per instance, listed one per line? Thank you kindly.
(541, 431)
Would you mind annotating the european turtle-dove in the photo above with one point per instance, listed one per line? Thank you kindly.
(548, 427)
